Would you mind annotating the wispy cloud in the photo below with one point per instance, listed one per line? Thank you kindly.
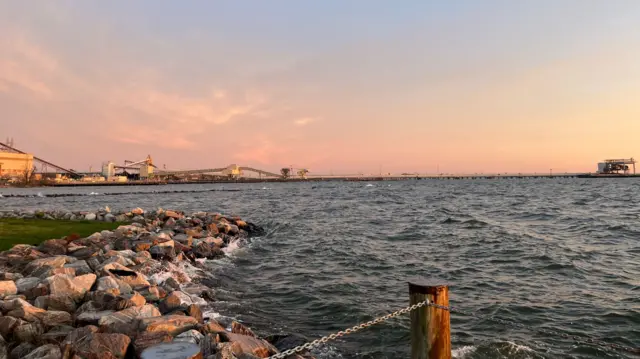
(304, 121)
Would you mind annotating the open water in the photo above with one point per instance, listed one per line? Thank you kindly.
(555, 254)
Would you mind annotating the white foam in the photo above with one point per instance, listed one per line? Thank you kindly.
(463, 352)
(94, 194)
(519, 348)
(266, 188)
(40, 194)
(369, 185)
(233, 246)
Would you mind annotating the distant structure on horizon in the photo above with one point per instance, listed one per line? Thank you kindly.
(615, 166)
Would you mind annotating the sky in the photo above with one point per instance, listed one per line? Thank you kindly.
(340, 86)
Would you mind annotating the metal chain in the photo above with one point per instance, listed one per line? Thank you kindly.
(354, 329)
(575, 338)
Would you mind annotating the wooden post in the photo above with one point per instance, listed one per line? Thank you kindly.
(430, 327)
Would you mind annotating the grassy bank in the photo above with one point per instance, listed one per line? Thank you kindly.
(34, 231)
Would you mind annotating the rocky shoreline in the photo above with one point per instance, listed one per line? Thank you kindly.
(115, 293)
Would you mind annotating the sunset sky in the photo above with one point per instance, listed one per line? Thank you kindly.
(331, 85)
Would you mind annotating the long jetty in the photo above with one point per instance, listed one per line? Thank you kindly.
(351, 178)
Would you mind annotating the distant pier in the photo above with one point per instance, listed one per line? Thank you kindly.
(344, 178)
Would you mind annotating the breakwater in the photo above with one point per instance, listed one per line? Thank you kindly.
(115, 293)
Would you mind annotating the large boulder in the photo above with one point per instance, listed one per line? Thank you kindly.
(207, 250)
(28, 332)
(49, 351)
(75, 287)
(103, 345)
(194, 311)
(57, 334)
(22, 350)
(152, 293)
(24, 310)
(190, 336)
(92, 317)
(168, 323)
(244, 344)
(52, 318)
(8, 287)
(53, 247)
(175, 300)
(163, 250)
(126, 321)
(81, 267)
(64, 303)
(123, 273)
(51, 262)
(46, 273)
(26, 284)
(8, 324)
(125, 301)
(107, 283)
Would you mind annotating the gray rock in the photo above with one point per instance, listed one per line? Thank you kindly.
(24, 310)
(49, 351)
(90, 216)
(106, 283)
(190, 336)
(81, 267)
(92, 318)
(28, 332)
(8, 324)
(56, 335)
(63, 303)
(126, 321)
(109, 217)
(53, 262)
(22, 350)
(26, 284)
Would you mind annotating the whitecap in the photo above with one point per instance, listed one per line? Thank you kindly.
(463, 352)
(40, 194)
(94, 194)
(233, 246)
(369, 185)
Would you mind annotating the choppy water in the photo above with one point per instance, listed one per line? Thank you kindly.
(560, 254)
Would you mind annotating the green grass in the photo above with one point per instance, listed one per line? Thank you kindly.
(35, 231)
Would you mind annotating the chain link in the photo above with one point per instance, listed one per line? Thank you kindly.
(354, 329)
(326, 339)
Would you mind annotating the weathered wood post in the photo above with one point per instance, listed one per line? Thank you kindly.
(430, 327)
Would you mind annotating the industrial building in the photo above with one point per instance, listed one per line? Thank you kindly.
(15, 164)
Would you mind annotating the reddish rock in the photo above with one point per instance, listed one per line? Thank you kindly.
(175, 300)
(168, 323)
(212, 327)
(8, 287)
(238, 328)
(103, 345)
(54, 247)
(194, 311)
